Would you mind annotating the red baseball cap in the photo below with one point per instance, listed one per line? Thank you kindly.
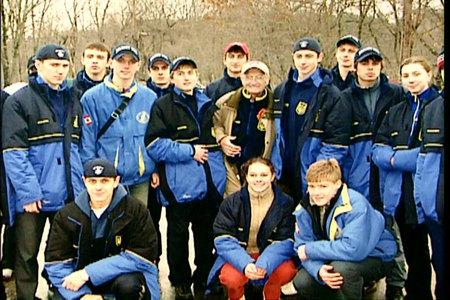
(240, 45)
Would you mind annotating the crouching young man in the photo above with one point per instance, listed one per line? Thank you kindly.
(339, 237)
(103, 243)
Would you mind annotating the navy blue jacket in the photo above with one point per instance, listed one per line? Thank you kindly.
(173, 131)
(40, 150)
(158, 91)
(337, 79)
(82, 83)
(220, 87)
(429, 178)
(232, 228)
(357, 166)
(71, 241)
(318, 138)
(398, 138)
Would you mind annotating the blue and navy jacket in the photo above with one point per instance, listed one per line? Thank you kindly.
(429, 178)
(71, 242)
(221, 86)
(173, 131)
(82, 83)
(339, 82)
(123, 142)
(318, 137)
(40, 136)
(232, 228)
(158, 91)
(398, 139)
(359, 172)
(354, 231)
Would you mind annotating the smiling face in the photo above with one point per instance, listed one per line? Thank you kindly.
(185, 77)
(415, 78)
(125, 67)
(254, 82)
(259, 177)
(53, 71)
(100, 189)
(322, 192)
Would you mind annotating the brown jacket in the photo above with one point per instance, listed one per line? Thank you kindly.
(223, 121)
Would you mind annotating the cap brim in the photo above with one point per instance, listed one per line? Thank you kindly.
(368, 55)
(122, 53)
(348, 41)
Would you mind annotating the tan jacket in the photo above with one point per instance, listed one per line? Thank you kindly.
(223, 121)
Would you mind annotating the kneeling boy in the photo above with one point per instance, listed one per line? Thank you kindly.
(339, 237)
(104, 242)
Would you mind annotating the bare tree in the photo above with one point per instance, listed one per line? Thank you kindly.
(99, 14)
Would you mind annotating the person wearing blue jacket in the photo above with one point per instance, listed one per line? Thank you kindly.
(41, 131)
(128, 105)
(366, 103)
(192, 174)
(96, 244)
(305, 114)
(254, 235)
(395, 152)
(340, 238)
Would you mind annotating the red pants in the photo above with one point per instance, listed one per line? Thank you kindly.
(234, 280)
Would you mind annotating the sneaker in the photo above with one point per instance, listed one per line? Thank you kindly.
(394, 292)
(7, 274)
(288, 289)
(183, 292)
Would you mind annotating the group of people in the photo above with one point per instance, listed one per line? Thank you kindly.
(330, 181)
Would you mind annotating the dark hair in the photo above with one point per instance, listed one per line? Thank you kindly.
(248, 163)
(100, 47)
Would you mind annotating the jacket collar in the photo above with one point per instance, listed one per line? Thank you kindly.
(82, 200)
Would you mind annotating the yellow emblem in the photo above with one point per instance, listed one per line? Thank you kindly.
(301, 108)
(75, 122)
(261, 126)
(213, 133)
(118, 240)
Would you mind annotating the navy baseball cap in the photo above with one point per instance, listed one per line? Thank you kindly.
(123, 49)
(99, 167)
(349, 39)
(52, 51)
(367, 52)
(307, 43)
(158, 57)
(183, 60)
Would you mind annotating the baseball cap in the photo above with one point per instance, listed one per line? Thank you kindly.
(99, 167)
(349, 39)
(307, 43)
(440, 60)
(240, 45)
(255, 64)
(182, 60)
(123, 49)
(158, 57)
(52, 51)
(367, 52)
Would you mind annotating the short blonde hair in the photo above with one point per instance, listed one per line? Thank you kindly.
(324, 170)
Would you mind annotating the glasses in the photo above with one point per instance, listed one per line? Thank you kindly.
(254, 78)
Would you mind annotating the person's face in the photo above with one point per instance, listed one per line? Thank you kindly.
(101, 189)
(254, 81)
(259, 177)
(306, 62)
(125, 67)
(185, 77)
(345, 54)
(368, 71)
(415, 78)
(53, 71)
(322, 192)
(234, 61)
(95, 61)
(159, 73)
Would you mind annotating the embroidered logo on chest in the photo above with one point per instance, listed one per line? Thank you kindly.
(143, 117)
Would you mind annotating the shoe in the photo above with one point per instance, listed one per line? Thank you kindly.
(394, 292)
(183, 292)
(7, 274)
(288, 289)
